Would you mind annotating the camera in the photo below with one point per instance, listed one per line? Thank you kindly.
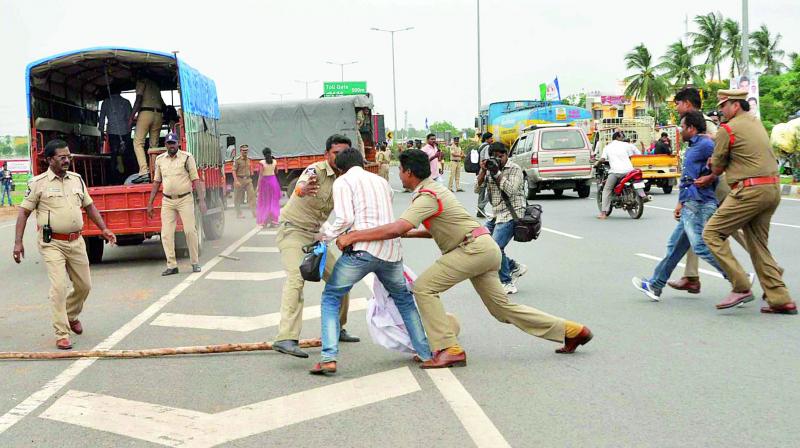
(493, 165)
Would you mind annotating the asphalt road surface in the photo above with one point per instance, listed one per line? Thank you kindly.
(677, 373)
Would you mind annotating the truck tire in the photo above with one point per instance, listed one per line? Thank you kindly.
(584, 190)
(214, 225)
(667, 189)
(94, 249)
(558, 192)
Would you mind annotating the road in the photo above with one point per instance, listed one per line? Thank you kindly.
(674, 373)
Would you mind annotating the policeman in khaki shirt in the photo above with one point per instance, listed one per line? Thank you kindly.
(58, 196)
(468, 253)
(177, 170)
(148, 112)
(456, 156)
(743, 153)
(300, 222)
(243, 182)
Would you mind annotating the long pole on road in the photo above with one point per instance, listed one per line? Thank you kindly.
(745, 68)
(479, 56)
(341, 65)
(306, 83)
(394, 78)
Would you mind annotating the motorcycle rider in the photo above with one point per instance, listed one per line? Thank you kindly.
(618, 155)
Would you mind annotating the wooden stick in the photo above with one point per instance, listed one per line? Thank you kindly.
(153, 352)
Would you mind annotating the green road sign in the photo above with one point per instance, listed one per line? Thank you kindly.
(344, 88)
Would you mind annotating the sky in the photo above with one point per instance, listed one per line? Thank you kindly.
(256, 49)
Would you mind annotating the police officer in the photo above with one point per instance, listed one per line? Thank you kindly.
(57, 196)
(456, 156)
(147, 112)
(177, 170)
(301, 219)
(468, 253)
(742, 151)
(243, 182)
(382, 158)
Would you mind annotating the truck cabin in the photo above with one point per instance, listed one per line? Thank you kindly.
(66, 93)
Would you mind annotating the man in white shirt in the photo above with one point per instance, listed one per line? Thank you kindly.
(618, 154)
(363, 200)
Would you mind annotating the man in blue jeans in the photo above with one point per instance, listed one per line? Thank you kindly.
(695, 207)
(363, 200)
(499, 175)
(6, 179)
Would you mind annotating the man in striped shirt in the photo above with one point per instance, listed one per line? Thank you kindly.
(363, 200)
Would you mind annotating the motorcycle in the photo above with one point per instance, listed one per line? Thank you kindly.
(628, 194)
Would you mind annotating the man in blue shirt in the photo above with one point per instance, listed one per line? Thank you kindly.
(695, 207)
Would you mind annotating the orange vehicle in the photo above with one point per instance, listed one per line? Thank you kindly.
(295, 131)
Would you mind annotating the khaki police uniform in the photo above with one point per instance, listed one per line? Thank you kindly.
(465, 257)
(176, 175)
(243, 173)
(456, 156)
(361, 118)
(300, 221)
(59, 202)
(383, 158)
(148, 120)
(747, 159)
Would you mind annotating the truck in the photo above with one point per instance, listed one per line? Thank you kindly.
(295, 131)
(64, 93)
(507, 119)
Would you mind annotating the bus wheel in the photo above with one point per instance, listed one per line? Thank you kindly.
(94, 249)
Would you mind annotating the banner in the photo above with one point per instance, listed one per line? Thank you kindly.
(613, 100)
(751, 85)
(553, 92)
(543, 92)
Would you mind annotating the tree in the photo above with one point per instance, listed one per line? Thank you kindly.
(766, 52)
(732, 45)
(575, 99)
(645, 83)
(6, 150)
(710, 94)
(469, 131)
(708, 40)
(677, 66)
(444, 126)
(21, 150)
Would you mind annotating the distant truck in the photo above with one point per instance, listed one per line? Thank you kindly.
(295, 131)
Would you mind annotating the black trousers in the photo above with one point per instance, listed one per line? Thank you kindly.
(121, 145)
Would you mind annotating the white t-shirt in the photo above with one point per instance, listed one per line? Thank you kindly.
(618, 154)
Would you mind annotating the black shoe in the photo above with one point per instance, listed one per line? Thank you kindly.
(169, 271)
(344, 336)
(289, 347)
(195, 268)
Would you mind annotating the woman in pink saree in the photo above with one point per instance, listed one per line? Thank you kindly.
(269, 192)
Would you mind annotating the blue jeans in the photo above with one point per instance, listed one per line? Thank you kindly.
(6, 192)
(349, 270)
(688, 232)
(502, 234)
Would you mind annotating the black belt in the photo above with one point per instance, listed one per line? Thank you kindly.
(178, 196)
(150, 109)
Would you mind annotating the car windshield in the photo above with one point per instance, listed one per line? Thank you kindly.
(571, 139)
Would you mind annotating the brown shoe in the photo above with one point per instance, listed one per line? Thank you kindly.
(685, 284)
(735, 298)
(787, 308)
(63, 344)
(443, 359)
(76, 327)
(570, 344)
(323, 368)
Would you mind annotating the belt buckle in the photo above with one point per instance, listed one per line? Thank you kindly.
(74, 236)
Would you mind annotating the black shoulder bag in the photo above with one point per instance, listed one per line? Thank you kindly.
(529, 226)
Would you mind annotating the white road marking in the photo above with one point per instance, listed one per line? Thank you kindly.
(771, 222)
(240, 323)
(660, 208)
(790, 199)
(259, 249)
(480, 429)
(683, 265)
(568, 235)
(249, 276)
(268, 232)
(52, 387)
(170, 426)
(11, 224)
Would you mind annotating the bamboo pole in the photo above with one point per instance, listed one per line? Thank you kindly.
(153, 352)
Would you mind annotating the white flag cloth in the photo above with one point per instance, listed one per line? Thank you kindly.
(383, 319)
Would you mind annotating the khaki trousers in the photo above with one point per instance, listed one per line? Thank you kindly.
(692, 262)
(245, 186)
(383, 171)
(455, 175)
(170, 210)
(147, 123)
(478, 262)
(749, 209)
(66, 260)
(290, 243)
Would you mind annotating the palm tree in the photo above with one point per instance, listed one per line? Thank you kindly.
(645, 83)
(708, 40)
(676, 65)
(732, 45)
(765, 51)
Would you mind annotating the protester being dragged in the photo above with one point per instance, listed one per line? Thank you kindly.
(465, 244)
(695, 207)
(503, 181)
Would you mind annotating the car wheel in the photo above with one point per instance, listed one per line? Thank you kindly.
(667, 189)
(558, 192)
(531, 193)
(584, 190)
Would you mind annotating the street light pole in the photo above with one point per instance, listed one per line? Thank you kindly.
(394, 78)
(479, 56)
(341, 65)
(280, 94)
(745, 68)
(306, 83)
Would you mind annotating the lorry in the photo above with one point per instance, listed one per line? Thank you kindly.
(507, 119)
(64, 93)
(295, 131)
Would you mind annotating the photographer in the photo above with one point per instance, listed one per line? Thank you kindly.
(499, 174)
